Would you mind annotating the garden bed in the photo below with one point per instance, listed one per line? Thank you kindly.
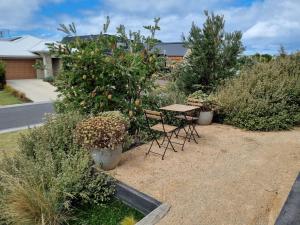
(111, 213)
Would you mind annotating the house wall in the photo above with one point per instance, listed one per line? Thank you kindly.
(47, 60)
(56, 65)
(175, 58)
(39, 72)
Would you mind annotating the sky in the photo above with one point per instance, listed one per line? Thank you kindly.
(266, 24)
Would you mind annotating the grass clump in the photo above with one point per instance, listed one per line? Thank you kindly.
(6, 98)
(263, 97)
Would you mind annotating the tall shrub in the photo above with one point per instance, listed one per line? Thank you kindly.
(263, 97)
(2, 75)
(111, 72)
(213, 55)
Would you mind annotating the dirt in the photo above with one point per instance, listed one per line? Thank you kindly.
(231, 177)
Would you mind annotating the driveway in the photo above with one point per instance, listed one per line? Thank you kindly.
(20, 116)
(34, 89)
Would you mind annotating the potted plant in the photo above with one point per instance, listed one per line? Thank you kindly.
(208, 105)
(103, 136)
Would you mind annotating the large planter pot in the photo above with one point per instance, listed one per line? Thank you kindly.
(106, 158)
(205, 118)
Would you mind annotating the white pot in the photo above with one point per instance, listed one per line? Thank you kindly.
(205, 118)
(106, 158)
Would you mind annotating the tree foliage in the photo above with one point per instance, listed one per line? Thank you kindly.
(213, 55)
(111, 72)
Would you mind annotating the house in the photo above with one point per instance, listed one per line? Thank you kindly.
(174, 51)
(20, 54)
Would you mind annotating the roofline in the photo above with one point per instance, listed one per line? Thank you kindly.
(178, 42)
(18, 57)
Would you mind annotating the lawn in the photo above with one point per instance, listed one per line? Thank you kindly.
(9, 142)
(110, 214)
(7, 98)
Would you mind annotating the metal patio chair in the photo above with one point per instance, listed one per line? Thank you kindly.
(166, 129)
(191, 118)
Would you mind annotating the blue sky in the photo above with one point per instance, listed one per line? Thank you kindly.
(266, 24)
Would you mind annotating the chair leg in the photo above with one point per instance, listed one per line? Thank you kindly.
(194, 128)
(163, 156)
(147, 153)
(190, 134)
(169, 138)
(163, 140)
(184, 142)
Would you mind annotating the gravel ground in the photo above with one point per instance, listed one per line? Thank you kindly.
(232, 177)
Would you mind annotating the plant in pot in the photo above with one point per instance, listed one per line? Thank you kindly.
(103, 135)
(208, 106)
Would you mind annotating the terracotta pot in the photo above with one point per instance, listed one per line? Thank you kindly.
(106, 158)
(205, 118)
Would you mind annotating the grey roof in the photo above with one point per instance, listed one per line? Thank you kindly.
(171, 48)
(23, 47)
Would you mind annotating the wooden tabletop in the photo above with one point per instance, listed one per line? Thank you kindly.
(179, 108)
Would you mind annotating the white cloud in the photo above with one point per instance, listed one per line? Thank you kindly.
(18, 14)
(265, 23)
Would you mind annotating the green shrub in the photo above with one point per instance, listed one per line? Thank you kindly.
(111, 72)
(49, 79)
(164, 95)
(263, 97)
(50, 175)
(208, 101)
(2, 75)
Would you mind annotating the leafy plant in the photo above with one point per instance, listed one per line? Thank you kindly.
(110, 72)
(263, 97)
(101, 132)
(213, 55)
(208, 101)
(128, 220)
(2, 75)
(49, 176)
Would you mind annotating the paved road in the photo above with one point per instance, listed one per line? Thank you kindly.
(24, 115)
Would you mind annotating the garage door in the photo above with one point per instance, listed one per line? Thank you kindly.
(19, 69)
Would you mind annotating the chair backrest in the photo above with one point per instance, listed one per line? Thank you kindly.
(194, 102)
(150, 114)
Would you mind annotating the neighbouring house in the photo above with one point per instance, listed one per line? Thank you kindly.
(174, 51)
(20, 54)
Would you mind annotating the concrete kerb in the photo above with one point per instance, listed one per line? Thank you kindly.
(21, 128)
(153, 209)
(25, 104)
(289, 214)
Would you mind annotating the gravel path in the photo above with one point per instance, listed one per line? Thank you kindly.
(232, 177)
